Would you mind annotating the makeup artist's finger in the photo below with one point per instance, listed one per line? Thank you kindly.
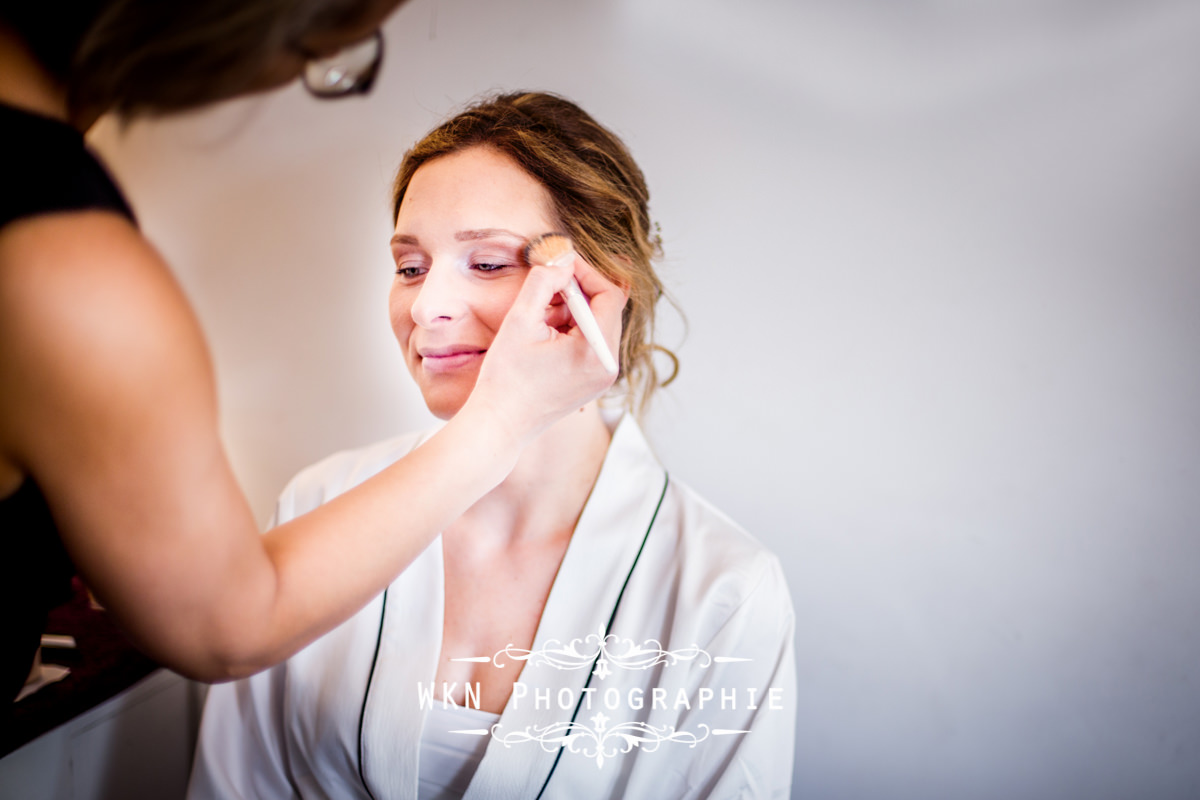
(606, 299)
(558, 316)
(541, 287)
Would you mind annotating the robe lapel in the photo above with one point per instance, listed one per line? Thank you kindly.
(593, 570)
(408, 652)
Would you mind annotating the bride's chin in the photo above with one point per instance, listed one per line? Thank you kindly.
(444, 408)
(445, 398)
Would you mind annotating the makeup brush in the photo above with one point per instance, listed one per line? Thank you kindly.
(552, 249)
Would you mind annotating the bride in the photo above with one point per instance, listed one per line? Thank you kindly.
(589, 629)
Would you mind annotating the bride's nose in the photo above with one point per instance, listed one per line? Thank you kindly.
(441, 297)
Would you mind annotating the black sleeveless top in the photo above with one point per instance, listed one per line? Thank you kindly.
(45, 167)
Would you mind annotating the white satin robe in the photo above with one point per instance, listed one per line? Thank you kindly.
(310, 728)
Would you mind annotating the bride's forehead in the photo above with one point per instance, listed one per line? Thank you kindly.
(476, 166)
(476, 178)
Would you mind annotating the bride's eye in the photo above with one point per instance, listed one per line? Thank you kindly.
(489, 266)
(409, 271)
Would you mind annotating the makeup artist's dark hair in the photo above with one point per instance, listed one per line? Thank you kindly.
(153, 56)
(51, 31)
(599, 197)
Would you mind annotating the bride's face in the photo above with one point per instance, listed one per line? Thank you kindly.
(460, 233)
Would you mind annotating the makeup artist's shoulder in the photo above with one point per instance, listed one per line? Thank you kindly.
(93, 318)
(82, 256)
(84, 292)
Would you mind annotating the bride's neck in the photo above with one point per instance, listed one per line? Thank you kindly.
(546, 491)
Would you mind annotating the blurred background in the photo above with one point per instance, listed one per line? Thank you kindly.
(939, 264)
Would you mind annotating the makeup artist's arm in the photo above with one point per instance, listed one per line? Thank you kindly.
(109, 402)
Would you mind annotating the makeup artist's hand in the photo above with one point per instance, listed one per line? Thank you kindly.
(538, 369)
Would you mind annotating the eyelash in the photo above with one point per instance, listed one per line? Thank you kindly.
(408, 273)
(486, 267)
(483, 267)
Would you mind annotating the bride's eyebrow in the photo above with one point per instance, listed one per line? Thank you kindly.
(463, 236)
(486, 233)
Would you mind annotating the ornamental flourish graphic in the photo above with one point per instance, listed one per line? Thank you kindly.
(606, 651)
(599, 741)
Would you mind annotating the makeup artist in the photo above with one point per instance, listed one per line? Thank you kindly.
(110, 458)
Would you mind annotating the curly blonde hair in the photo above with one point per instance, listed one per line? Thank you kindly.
(597, 192)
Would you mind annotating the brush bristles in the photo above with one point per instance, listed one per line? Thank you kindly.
(548, 249)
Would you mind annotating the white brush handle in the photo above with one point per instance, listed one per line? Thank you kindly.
(588, 325)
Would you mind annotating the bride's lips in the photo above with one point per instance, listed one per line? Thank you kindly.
(450, 357)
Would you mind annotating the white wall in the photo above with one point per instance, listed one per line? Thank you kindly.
(939, 262)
